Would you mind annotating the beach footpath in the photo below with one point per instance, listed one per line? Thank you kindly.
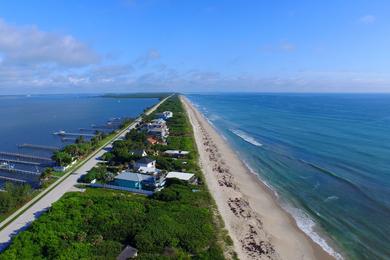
(258, 226)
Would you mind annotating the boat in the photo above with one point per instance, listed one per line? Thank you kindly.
(61, 132)
(6, 165)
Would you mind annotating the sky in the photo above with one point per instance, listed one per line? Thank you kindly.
(96, 46)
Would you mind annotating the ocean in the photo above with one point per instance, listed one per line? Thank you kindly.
(34, 119)
(325, 156)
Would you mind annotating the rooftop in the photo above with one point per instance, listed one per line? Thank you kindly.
(145, 160)
(156, 129)
(143, 169)
(132, 176)
(180, 175)
(158, 121)
(127, 252)
(176, 152)
(138, 152)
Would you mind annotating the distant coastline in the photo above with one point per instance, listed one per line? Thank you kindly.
(159, 95)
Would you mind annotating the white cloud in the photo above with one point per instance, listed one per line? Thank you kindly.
(367, 19)
(27, 45)
(32, 60)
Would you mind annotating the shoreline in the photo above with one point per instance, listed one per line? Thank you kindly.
(259, 227)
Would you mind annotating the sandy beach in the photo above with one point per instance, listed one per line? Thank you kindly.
(258, 226)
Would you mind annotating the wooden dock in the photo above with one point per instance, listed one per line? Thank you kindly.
(12, 179)
(68, 139)
(63, 133)
(13, 170)
(25, 157)
(39, 147)
(20, 162)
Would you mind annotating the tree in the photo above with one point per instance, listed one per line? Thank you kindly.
(62, 158)
(72, 149)
(46, 174)
(80, 140)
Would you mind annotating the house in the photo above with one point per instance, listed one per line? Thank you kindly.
(132, 180)
(138, 152)
(165, 115)
(188, 177)
(155, 123)
(139, 181)
(127, 252)
(158, 132)
(145, 162)
(148, 170)
(157, 128)
(159, 122)
(176, 153)
(168, 114)
(152, 140)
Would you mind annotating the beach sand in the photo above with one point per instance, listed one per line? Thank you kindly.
(258, 226)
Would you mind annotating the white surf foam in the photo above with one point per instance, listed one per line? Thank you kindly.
(307, 225)
(258, 176)
(246, 137)
(331, 198)
(214, 117)
(304, 222)
(209, 121)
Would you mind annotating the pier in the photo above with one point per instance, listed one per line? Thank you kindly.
(25, 157)
(12, 179)
(39, 147)
(68, 139)
(13, 170)
(63, 133)
(20, 162)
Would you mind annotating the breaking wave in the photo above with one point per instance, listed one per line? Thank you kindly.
(307, 225)
(246, 137)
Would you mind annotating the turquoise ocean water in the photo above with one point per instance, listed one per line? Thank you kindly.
(326, 157)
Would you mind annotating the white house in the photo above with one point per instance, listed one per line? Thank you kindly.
(165, 115)
(145, 163)
(188, 177)
(139, 152)
(158, 132)
(148, 170)
(159, 122)
(176, 153)
(157, 128)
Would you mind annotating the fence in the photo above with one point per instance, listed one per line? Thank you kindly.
(113, 187)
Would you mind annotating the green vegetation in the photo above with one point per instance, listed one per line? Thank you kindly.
(98, 223)
(99, 174)
(78, 150)
(13, 196)
(179, 222)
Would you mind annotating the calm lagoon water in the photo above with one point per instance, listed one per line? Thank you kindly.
(326, 156)
(34, 119)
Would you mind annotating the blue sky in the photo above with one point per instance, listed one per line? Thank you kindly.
(193, 46)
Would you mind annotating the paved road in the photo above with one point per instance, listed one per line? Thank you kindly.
(44, 203)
